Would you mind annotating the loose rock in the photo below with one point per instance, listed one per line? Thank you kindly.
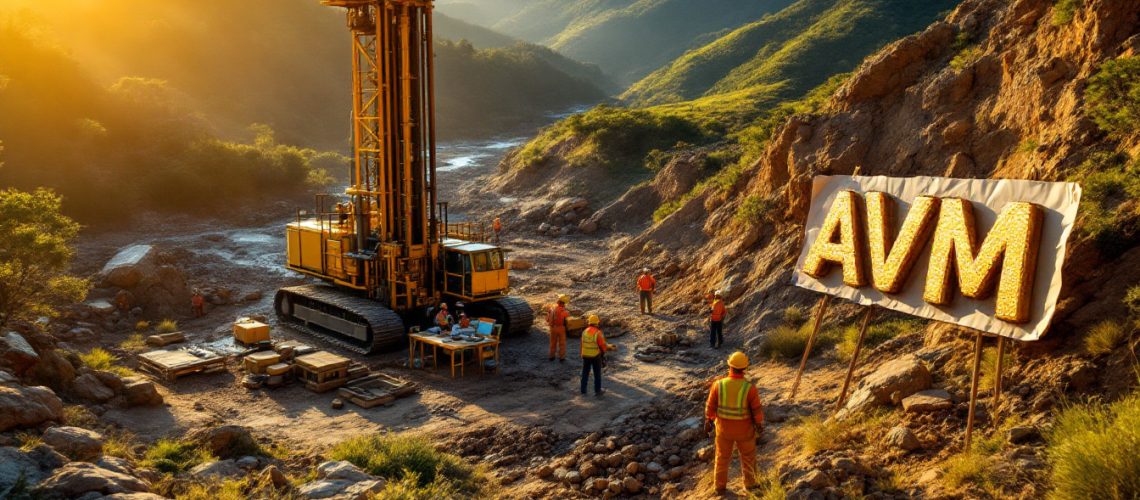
(75, 443)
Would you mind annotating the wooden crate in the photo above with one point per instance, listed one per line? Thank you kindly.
(376, 389)
(278, 369)
(169, 365)
(258, 361)
(249, 332)
(322, 371)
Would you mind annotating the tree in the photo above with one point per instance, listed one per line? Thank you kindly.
(35, 252)
(1113, 96)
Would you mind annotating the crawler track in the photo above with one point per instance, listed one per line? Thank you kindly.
(354, 323)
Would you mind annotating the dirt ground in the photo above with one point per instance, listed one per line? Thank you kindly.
(528, 391)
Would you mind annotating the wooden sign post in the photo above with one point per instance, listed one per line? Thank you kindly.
(974, 386)
(868, 313)
(820, 311)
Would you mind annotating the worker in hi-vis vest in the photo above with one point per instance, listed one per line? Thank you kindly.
(593, 351)
(734, 408)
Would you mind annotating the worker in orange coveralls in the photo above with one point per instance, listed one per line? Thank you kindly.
(734, 409)
(556, 319)
(646, 287)
(497, 226)
(198, 303)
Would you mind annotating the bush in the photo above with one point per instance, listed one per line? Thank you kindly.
(173, 456)
(1103, 337)
(794, 315)
(754, 208)
(142, 326)
(409, 458)
(768, 486)
(815, 433)
(788, 342)
(1132, 302)
(119, 444)
(102, 360)
(966, 57)
(1112, 98)
(1094, 451)
(1110, 180)
(167, 326)
(80, 416)
(1064, 11)
(877, 333)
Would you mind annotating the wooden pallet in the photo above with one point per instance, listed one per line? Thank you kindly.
(376, 389)
(169, 365)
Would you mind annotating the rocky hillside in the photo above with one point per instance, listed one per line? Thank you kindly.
(1031, 89)
(798, 47)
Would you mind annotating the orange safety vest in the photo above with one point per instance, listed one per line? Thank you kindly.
(591, 347)
(732, 399)
(646, 283)
(718, 310)
(497, 225)
(556, 318)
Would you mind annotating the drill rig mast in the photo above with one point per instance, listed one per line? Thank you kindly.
(386, 252)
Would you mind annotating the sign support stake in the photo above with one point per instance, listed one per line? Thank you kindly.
(870, 311)
(821, 310)
(999, 371)
(974, 387)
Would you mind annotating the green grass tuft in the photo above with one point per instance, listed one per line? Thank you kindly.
(167, 326)
(135, 342)
(788, 342)
(755, 208)
(1094, 451)
(1103, 337)
(966, 57)
(173, 456)
(989, 367)
(1112, 98)
(102, 360)
(410, 459)
(794, 315)
(816, 433)
(1064, 11)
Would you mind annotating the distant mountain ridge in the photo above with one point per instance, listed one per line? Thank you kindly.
(800, 46)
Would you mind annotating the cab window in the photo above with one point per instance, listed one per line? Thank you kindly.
(482, 263)
(496, 257)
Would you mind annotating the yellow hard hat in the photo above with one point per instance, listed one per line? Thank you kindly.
(593, 319)
(565, 299)
(738, 360)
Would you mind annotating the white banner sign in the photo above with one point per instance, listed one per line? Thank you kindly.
(985, 254)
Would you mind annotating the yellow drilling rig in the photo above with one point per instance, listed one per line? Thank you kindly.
(387, 254)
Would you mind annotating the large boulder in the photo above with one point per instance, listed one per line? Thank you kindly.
(128, 267)
(16, 354)
(889, 384)
(89, 387)
(80, 478)
(227, 441)
(141, 392)
(158, 288)
(53, 370)
(22, 406)
(75, 443)
(341, 470)
(28, 468)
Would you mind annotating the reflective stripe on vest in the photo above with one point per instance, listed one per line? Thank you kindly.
(732, 405)
(590, 343)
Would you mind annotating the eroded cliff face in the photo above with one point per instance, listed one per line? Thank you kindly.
(996, 90)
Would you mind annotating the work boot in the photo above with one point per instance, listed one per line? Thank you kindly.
(551, 358)
(561, 360)
(600, 393)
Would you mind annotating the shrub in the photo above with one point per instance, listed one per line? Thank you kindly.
(142, 326)
(399, 457)
(409, 488)
(754, 208)
(1094, 450)
(794, 315)
(79, 416)
(1132, 301)
(1109, 180)
(28, 441)
(1103, 337)
(119, 444)
(966, 468)
(966, 57)
(877, 333)
(100, 359)
(788, 342)
(768, 486)
(1112, 98)
(173, 456)
(1064, 11)
(167, 326)
(815, 433)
